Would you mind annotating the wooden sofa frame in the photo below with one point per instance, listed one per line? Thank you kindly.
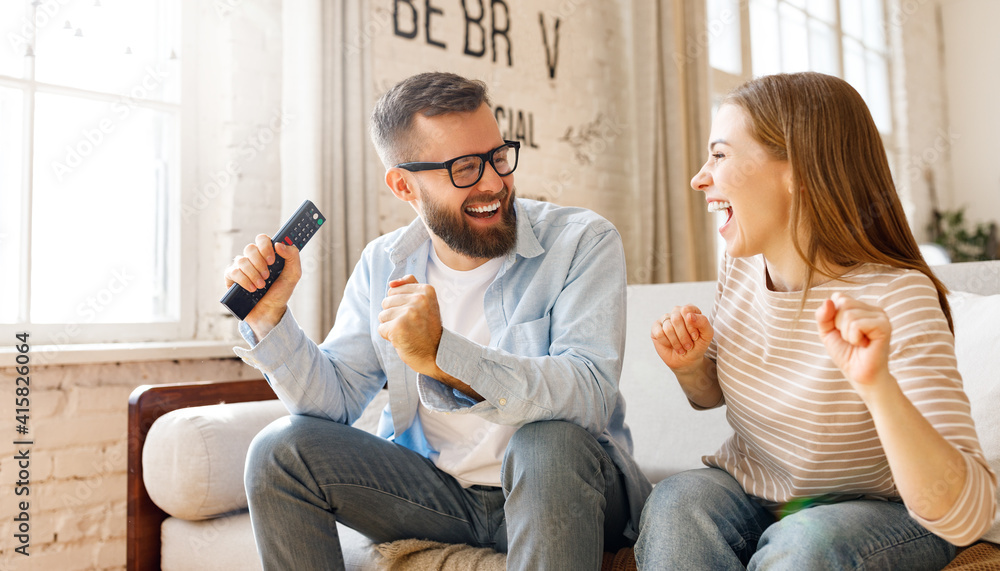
(145, 405)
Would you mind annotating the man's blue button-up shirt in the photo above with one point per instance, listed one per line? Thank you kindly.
(556, 315)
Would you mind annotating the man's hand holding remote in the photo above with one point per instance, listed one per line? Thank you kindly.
(251, 269)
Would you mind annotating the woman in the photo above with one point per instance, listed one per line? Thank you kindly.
(831, 347)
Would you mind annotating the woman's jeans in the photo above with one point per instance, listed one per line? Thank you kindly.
(702, 519)
(562, 502)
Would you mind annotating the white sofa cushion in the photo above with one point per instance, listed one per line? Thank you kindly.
(977, 348)
(193, 458)
(668, 435)
(228, 543)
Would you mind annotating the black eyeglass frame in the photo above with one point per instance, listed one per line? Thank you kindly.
(484, 158)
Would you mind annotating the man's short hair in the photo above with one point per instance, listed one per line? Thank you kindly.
(430, 94)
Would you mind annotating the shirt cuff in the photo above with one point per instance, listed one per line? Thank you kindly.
(273, 350)
(439, 397)
(461, 358)
(958, 526)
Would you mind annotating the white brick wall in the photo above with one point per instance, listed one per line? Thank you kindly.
(240, 58)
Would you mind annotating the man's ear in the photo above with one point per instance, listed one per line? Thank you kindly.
(401, 183)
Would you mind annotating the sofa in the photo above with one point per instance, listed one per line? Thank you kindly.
(188, 442)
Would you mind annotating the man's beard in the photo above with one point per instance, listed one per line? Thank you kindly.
(463, 238)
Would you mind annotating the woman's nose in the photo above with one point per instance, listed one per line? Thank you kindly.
(702, 180)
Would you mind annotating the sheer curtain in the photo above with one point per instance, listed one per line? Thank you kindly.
(672, 98)
(327, 155)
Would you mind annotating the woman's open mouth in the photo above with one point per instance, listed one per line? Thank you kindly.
(720, 206)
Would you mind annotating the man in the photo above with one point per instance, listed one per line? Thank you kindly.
(498, 325)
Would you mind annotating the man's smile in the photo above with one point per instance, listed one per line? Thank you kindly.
(483, 211)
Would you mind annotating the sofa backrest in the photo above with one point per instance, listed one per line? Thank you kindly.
(667, 434)
(975, 308)
(981, 278)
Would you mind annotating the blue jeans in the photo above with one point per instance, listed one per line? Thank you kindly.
(562, 502)
(702, 519)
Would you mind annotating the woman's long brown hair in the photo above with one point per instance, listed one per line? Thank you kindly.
(847, 201)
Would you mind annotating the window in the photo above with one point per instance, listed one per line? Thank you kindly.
(845, 38)
(90, 169)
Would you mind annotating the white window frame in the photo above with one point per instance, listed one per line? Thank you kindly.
(185, 263)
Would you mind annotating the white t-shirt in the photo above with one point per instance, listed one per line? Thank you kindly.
(469, 448)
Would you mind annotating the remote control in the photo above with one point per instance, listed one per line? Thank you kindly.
(295, 232)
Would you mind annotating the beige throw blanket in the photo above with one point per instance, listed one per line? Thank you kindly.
(421, 555)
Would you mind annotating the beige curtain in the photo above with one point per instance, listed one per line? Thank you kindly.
(327, 155)
(349, 184)
(672, 98)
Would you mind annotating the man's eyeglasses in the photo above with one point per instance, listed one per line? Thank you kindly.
(466, 170)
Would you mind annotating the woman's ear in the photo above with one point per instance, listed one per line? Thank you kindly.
(789, 181)
(401, 183)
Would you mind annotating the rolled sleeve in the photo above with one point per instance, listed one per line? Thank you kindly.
(272, 351)
(467, 360)
(970, 517)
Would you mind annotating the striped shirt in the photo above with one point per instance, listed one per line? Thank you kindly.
(801, 432)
